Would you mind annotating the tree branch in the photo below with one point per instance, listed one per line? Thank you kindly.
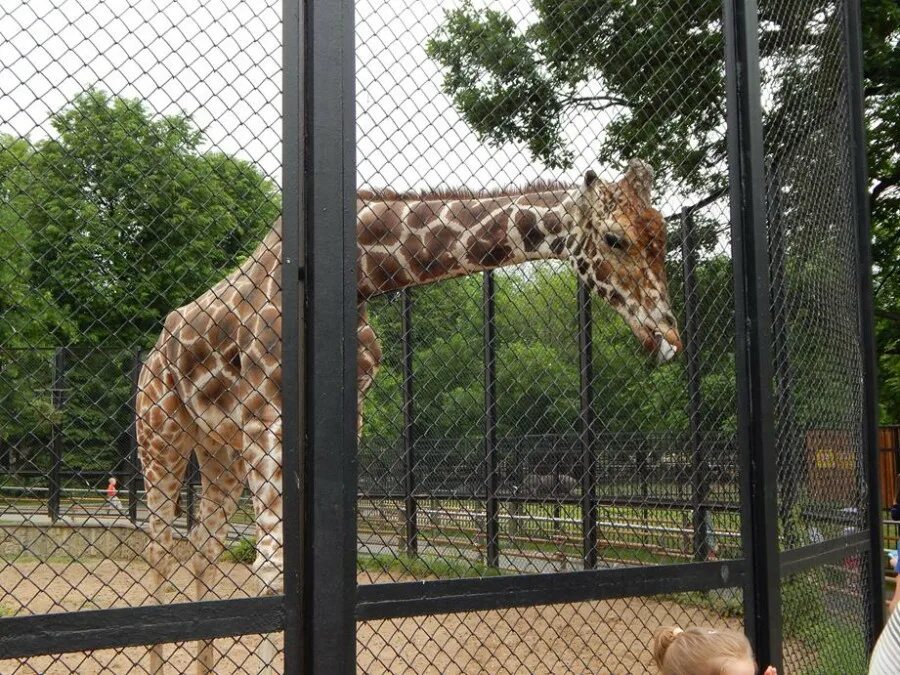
(593, 102)
(887, 314)
(706, 201)
(876, 89)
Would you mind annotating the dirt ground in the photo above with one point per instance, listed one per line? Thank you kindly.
(594, 637)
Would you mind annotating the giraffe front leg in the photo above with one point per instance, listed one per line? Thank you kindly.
(262, 454)
(222, 482)
(368, 361)
(163, 483)
(263, 457)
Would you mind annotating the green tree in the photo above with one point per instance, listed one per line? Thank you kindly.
(28, 316)
(652, 74)
(105, 228)
(129, 219)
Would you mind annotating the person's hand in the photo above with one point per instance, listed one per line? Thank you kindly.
(771, 670)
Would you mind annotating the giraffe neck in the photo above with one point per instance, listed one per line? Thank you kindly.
(404, 243)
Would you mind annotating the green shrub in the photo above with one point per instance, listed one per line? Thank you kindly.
(244, 551)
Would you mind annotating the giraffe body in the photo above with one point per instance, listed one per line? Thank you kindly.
(212, 383)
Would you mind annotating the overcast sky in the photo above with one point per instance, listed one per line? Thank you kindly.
(220, 62)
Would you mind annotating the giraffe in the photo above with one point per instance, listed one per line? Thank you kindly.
(211, 385)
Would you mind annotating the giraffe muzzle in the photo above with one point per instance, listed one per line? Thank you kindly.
(667, 346)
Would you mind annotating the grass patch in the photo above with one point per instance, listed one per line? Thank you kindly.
(730, 605)
(424, 566)
(831, 646)
(534, 543)
(26, 558)
(5, 611)
(242, 551)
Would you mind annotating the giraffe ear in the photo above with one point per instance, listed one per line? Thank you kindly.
(589, 178)
(639, 176)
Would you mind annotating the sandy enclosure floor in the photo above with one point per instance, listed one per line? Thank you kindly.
(592, 637)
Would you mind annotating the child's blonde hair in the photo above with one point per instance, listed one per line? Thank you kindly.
(698, 651)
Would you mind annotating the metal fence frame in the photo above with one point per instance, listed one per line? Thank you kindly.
(320, 416)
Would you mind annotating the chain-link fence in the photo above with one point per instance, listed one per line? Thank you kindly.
(606, 298)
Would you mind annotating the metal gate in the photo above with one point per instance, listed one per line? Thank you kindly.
(562, 335)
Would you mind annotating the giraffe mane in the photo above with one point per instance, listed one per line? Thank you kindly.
(388, 194)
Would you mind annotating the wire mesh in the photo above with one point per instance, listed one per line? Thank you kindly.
(140, 146)
(822, 487)
(813, 271)
(235, 656)
(596, 637)
(516, 425)
(825, 618)
(556, 425)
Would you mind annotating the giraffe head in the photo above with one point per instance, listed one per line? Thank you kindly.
(620, 253)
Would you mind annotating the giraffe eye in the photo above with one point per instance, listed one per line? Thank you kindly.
(614, 241)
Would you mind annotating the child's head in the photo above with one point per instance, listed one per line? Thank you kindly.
(112, 480)
(702, 651)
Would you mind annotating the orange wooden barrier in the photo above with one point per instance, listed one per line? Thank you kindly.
(888, 452)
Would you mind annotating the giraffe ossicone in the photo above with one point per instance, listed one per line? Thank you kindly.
(212, 383)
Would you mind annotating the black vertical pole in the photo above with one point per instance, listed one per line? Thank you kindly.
(56, 443)
(556, 493)
(293, 421)
(586, 418)
(490, 425)
(514, 485)
(753, 332)
(191, 477)
(691, 336)
(133, 461)
(328, 219)
(866, 312)
(642, 467)
(409, 430)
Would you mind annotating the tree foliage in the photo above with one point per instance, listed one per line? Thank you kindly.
(129, 219)
(653, 74)
(105, 227)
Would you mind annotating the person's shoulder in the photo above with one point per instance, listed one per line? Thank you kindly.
(886, 654)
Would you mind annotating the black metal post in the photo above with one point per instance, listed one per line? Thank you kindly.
(409, 429)
(293, 421)
(753, 332)
(556, 494)
(60, 359)
(866, 311)
(514, 484)
(492, 511)
(192, 475)
(134, 475)
(328, 216)
(586, 435)
(642, 468)
(693, 374)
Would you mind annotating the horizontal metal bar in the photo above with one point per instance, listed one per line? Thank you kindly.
(24, 636)
(477, 517)
(600, 500)
(831, 551)
(415, 598)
